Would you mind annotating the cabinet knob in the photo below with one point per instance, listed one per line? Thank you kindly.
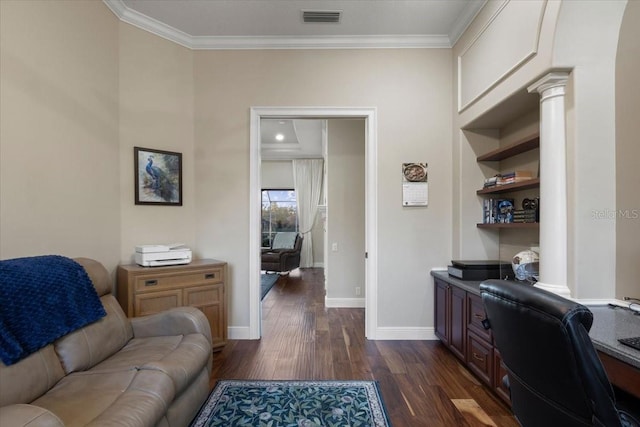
(150, 282)
(478, 316)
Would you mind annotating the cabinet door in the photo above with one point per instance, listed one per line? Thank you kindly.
(209, 299)
(441, 311)
(155, 302)
(458, 298)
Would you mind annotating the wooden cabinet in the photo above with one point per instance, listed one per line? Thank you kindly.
(201, 284)
(459, 316)
(450, 317)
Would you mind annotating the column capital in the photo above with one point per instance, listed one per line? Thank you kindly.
(552, 80)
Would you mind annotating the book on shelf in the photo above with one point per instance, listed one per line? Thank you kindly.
(517, 174)
(525, 215)
(496, 211)
(508, 178)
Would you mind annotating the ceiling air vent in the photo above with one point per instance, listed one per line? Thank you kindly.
(321, 16)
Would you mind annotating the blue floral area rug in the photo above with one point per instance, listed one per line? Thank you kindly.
(293, 404)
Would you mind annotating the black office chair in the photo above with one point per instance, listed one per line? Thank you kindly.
(554, 374)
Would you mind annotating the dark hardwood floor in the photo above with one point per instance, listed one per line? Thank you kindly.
(421, 382)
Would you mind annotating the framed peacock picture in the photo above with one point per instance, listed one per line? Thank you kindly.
(158, 177)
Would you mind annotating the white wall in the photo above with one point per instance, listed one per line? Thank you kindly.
(627, 154)
(411, 89)
(567, 40)
(156, 111)
(59, 154)
(591, 137)
(346, 213)
(277, 174)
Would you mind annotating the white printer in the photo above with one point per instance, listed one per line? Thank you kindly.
(159, 255)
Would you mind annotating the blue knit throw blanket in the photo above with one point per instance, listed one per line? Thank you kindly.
(42, 299)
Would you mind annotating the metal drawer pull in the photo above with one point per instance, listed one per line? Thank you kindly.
(210, 276)
(478, 316)
(150, 282)
(475, 356)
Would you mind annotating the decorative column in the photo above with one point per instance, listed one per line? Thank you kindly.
(553, 183)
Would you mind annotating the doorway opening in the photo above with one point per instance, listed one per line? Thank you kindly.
(255, 225)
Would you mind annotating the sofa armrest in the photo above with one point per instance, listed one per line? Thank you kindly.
(22, 414)
(176, 321)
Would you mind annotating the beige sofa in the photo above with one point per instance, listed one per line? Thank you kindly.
(147, 371)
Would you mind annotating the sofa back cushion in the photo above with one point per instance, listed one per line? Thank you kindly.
(29, 378)
(90, 345)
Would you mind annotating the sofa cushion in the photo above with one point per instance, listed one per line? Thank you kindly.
(182, 358)
(30, 378)
(88, 346)
(125, 398)
(184, 363)
(25, 415)
(98, 275)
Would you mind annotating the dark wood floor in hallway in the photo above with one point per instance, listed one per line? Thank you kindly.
(421, 382)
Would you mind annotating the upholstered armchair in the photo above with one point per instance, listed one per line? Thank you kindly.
(284, 253)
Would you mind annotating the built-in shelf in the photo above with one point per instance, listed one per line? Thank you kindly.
(516, 186)
(519, 225)
(526, 144)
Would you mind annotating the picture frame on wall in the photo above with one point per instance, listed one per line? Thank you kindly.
(158, 177)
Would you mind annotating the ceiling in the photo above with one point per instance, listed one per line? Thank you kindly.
(250, 24)
(282, 139)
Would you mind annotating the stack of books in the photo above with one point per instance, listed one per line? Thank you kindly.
(525, 215)
(507, 178)
(513, 177)
(491, 182)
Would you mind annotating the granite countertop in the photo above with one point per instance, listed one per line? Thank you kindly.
(609, 324)
(472, 286)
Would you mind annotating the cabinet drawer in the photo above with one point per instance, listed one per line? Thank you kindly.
(170, 280)
(157, 301)
(480, 357)
(476, 315)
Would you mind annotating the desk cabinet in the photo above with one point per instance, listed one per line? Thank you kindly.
(201, 284)
(458, 324)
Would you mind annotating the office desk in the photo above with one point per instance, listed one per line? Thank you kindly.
(621, 362)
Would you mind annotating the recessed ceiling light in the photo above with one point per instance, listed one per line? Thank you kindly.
(279, 137)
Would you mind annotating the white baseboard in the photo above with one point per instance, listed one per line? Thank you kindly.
(238, 333)
(406, 333)
(344, 302)
(318, 265)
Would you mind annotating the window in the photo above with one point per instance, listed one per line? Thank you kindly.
(279, 213)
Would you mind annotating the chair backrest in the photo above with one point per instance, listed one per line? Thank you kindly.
(284, 240)
(555, 375)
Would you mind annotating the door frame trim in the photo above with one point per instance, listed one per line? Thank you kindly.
(371, 217)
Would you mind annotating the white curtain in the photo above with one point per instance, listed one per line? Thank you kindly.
(307, 181)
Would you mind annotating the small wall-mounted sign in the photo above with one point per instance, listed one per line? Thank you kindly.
(415, 186)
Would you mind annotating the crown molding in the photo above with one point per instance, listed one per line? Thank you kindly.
(137, 19)
(465, 19)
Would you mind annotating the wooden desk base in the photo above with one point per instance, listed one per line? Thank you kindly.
(621, 374)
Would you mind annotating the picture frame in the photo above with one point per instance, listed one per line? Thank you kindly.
(158, 177)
